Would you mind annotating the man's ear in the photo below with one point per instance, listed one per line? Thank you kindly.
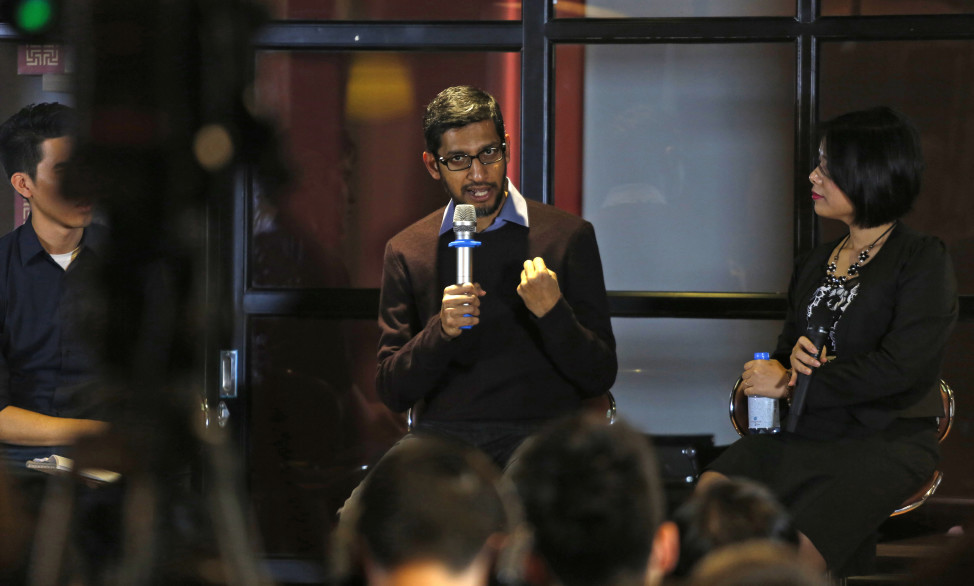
(507, 151)
(22, 183)
(666, 551)
(429, 161)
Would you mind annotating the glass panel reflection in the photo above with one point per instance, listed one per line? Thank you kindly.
(339, 111)
(315, 422)
(932, 83)
(687, 170)
(671, 8)
(666, 387)
(875, 7)
(394, 10)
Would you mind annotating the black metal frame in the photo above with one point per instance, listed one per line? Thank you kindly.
(536, 36)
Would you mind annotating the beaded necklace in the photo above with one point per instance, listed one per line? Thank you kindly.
(830, 277)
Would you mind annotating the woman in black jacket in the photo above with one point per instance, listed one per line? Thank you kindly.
(867, 436)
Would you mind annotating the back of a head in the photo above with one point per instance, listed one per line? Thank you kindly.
(22, 134)
(456, 107)
(755, 563)
(593, 497)
(729, 512)
(430, 499)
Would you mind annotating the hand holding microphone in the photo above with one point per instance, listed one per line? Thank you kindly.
(460, 309)
(817, 337)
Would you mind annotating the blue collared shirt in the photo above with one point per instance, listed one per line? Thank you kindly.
(514, 209)
(47, 315)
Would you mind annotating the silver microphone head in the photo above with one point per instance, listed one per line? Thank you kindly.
(464, 218)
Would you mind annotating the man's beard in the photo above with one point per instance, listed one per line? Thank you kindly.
(489, 208)
(485, 209)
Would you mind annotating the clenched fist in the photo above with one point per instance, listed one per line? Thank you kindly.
(539, 287)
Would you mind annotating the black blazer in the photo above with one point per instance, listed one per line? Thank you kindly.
(890, 339)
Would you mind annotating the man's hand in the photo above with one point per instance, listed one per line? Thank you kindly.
(539, 287)
(461, 307)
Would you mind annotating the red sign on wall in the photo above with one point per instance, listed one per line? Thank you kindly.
(40, 59)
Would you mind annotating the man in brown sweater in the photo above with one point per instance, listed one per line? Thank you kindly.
(541, 339)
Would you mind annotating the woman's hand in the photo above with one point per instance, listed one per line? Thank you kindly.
(765, 378)
(803, 358)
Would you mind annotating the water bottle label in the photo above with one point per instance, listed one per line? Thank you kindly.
(762, 415)
(762, 412)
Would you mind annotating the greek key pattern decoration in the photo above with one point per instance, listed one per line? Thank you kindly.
(40, 59)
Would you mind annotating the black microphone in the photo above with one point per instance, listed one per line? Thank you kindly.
(464, 226)
(818, 337)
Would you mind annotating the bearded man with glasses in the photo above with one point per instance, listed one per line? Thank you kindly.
(490, 361)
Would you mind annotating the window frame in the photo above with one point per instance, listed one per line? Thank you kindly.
(536, 36)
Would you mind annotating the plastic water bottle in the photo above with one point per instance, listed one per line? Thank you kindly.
(762, 412)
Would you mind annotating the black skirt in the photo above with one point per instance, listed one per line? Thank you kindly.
(838, 491)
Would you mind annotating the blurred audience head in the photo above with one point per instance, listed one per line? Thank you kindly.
(433, 513)
(728, 512)
(755, 563)
(593, 497)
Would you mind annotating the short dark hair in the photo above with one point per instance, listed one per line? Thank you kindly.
(726, 512)
(22, 134)
(593, 496)
(459, 106)
(874, 156)
(757, 563)
(431, 498)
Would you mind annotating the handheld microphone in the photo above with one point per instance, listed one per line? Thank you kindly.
(818, 337)
(464, 226)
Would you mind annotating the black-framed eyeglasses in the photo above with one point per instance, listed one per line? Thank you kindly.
(488, 156)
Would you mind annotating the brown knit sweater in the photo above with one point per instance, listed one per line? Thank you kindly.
(512, 366)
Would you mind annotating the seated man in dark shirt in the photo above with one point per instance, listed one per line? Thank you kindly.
(539, 339)
(47, 359)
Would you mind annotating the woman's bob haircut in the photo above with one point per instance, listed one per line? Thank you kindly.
(874, 157)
